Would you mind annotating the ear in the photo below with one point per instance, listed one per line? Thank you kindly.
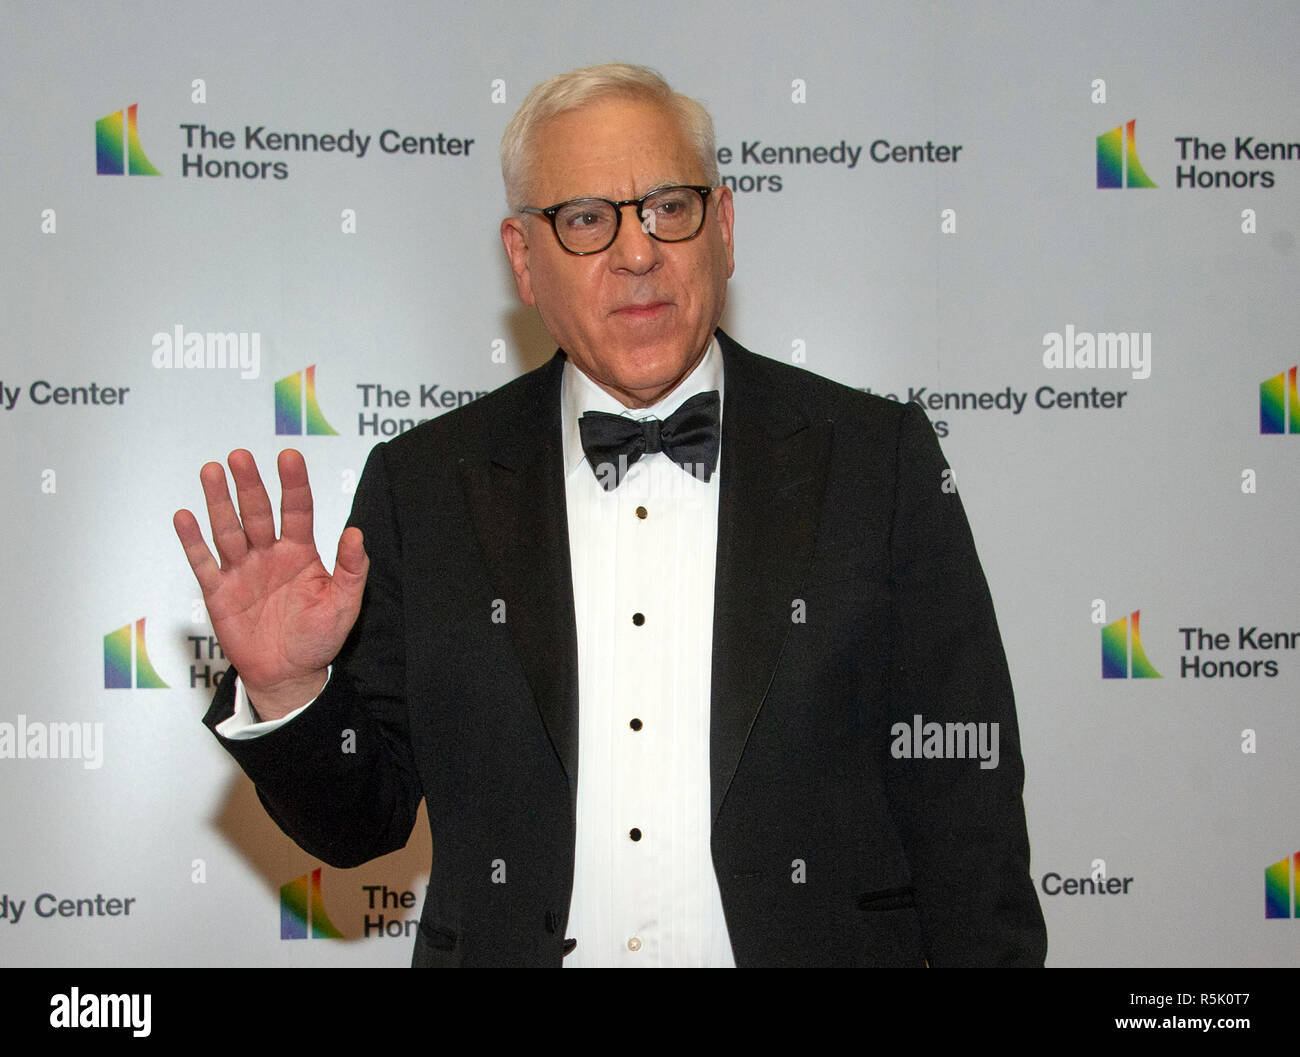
(514, 236)
(725, 217)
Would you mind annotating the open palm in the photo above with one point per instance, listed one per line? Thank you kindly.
(279, 614)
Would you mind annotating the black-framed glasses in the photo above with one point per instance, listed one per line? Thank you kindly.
(590, 225)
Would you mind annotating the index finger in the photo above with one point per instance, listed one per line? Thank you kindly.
(296, 509)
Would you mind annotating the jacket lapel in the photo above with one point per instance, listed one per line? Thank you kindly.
(774, 459)
(521, 522)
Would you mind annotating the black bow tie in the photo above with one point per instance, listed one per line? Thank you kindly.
(689, 436)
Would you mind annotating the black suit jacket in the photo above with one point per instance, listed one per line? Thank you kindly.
(830, 498)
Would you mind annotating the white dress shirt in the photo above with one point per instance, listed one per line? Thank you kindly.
(647, 549)
(643, 558)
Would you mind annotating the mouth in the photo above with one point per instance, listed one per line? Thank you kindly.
(642, 309)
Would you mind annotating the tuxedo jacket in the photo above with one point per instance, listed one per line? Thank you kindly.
(848, 598)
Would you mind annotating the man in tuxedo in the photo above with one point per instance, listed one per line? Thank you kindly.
(644, 627)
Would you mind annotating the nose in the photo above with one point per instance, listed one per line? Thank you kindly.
(633, 249)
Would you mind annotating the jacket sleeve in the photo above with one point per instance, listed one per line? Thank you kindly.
(340, 778)
(962, 820)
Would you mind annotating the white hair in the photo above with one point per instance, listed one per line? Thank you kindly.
(569, 91)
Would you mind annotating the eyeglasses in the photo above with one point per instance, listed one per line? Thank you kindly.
(590, 225)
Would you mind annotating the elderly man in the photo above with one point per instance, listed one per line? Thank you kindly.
(645, 626)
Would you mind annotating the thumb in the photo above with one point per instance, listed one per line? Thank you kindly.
(352, 564)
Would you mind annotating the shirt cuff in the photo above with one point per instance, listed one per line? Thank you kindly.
(244, 724)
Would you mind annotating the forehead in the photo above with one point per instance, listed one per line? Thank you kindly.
(612, 148)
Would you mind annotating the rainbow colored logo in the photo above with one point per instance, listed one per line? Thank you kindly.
(302, 910)
(1122, 656)
(117, 146)
(296, 409)
(1279, 404)
(1117, 158)
(126, 661)
(1281, 898)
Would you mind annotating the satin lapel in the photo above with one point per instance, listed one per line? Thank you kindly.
(519, 509)
(774, 460)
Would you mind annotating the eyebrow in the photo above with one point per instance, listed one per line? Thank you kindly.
(659, 186)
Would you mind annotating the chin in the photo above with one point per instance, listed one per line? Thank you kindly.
(653, 366)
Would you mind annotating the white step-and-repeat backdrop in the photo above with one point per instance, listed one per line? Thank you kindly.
(1068, 232)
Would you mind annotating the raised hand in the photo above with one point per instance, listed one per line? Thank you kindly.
(278, 613)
